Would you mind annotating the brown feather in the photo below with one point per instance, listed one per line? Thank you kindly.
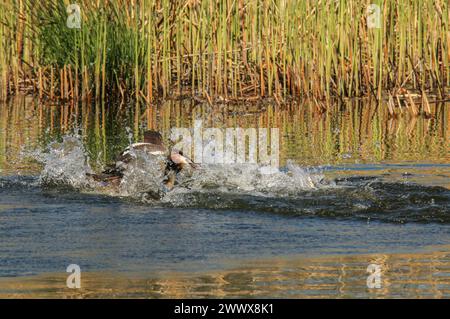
(153, 137)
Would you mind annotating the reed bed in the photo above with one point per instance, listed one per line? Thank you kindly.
(225, 50)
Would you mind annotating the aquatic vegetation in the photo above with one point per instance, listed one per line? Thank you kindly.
(224, 50)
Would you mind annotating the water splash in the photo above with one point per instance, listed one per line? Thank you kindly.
(291, 191)
(65, 163)
(252, 178)
(143, 177)
(226, 186)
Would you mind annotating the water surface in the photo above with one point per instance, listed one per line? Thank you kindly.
(356, 186)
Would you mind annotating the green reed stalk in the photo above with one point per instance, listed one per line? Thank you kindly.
(3, 55)
(229, 48)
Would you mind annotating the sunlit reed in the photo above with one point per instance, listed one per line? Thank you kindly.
(225, 50)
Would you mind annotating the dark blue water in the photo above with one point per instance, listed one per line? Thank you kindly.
(46, 229)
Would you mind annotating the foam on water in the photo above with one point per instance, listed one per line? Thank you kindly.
(244, 179)
(143, 177)
(66, 164)
(292, 190)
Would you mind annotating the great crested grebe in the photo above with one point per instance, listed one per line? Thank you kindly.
(153, 144)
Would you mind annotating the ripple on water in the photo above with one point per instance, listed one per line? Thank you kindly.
(292, 191)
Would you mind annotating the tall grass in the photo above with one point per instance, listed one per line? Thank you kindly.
(225, 49)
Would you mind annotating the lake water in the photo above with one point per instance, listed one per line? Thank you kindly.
(356, 188)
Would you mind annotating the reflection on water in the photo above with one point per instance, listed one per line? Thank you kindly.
(380, 172)
(353, 133)
(402, 276)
